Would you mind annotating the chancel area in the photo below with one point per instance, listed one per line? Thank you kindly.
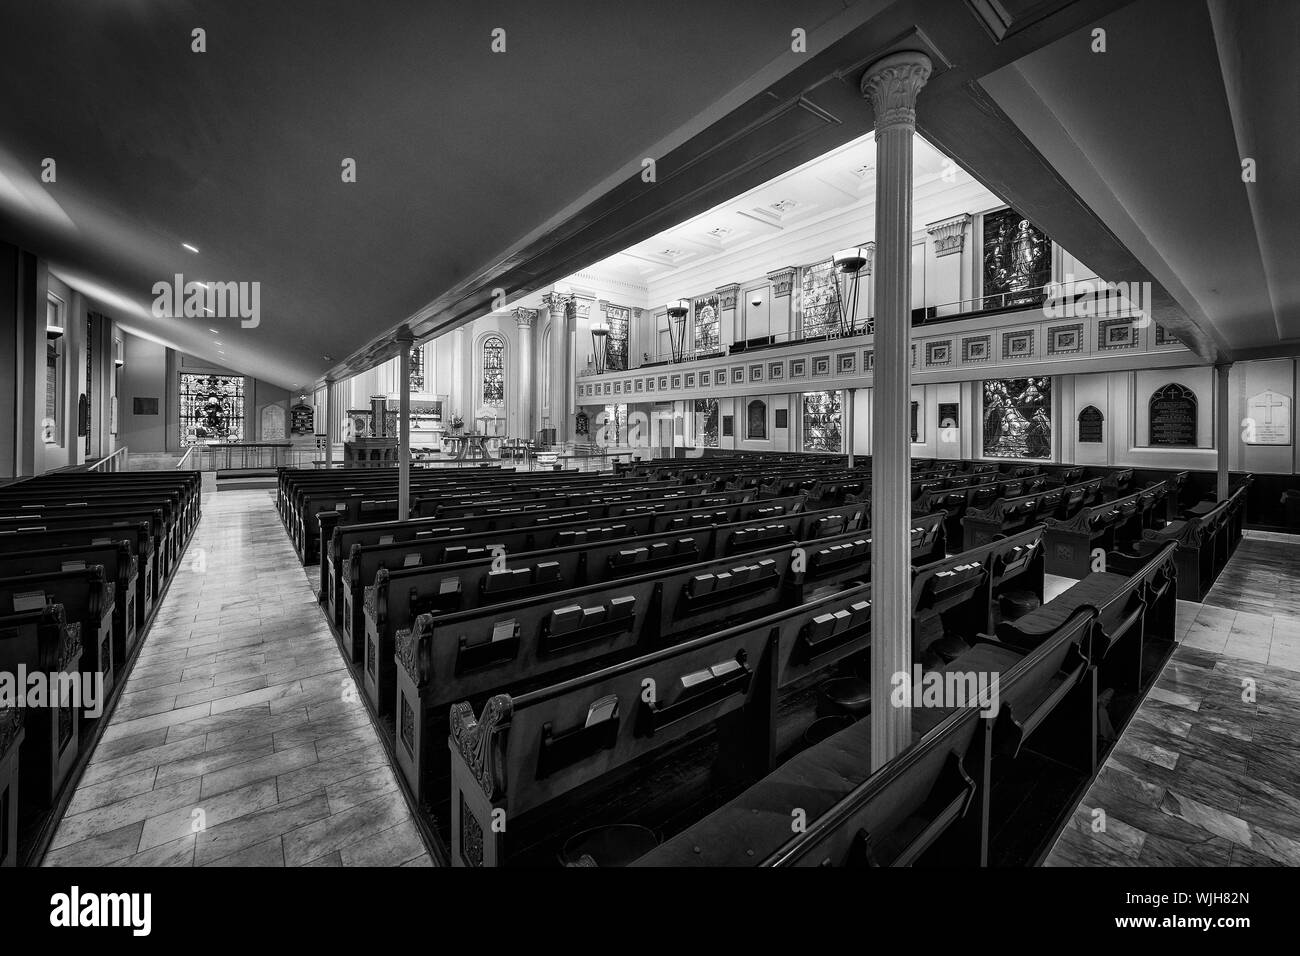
(824, 434)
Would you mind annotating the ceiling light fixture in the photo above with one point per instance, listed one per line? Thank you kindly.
(193, 249)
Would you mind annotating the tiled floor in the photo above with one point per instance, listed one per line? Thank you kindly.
(240, 739)
(1208, 771)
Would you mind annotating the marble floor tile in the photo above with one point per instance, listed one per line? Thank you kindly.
(1209, 768)
(236, 741)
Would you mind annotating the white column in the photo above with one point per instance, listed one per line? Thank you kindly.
(329, 423)
(404, 342)
(525, 320)
(850, 394)
(892, 85)
(557, 305)
(1222, 428)
(458, 400)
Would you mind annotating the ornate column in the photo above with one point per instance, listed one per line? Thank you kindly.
(525, 320)
(892, 84)
(458, 402)
(404, 341)
(1222, 428)
(558, 305)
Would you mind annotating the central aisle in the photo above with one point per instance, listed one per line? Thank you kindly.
(240, 738)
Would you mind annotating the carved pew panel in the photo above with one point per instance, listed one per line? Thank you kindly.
(119, 570)
(43, 641)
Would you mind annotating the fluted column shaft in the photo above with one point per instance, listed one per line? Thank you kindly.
(892, 85)
(404, 341)
(525, 320)
(1222, 428)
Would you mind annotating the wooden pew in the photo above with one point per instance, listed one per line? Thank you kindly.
(43, 641)
(604, 552)
(86, 597)
(1010, 515)
(534, 532)
(958, 596)
(1134, 605)
(161, 556)
(1204, 544)
(11, 739)
(120, 569)
(137, 534)
(1107, 526)
(894, 816)
(326, 521)
(509, 640)
(528, 754)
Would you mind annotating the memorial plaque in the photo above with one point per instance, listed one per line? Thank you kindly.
(1172, 416)
(1268, 419)
(728, 425)
(1090, 424)
(272, 423)
(302, 420)
(948, 414)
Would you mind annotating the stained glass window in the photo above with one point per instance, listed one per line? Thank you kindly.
(1017, 260)
(616, 317)
(706, 422)
(818, 294)
(822, 419)
(494, 371)
(417, 369)
(708, 326)
(1018, 418)
(212, 408)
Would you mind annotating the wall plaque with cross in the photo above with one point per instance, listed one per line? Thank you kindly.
(1270, 412)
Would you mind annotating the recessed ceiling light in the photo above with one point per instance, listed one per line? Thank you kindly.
(193, 249)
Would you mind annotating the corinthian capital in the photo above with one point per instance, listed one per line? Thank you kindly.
(524, 318)
(558, 302)
(892, 83)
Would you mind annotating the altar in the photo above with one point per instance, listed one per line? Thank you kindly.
(470, 447)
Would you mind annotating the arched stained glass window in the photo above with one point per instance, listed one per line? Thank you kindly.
(494, 371)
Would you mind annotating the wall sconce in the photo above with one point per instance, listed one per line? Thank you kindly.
(677, 326)
(756, 298)
(599, 333)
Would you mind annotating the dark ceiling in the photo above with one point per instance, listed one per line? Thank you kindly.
(478, 169)
(460, 151)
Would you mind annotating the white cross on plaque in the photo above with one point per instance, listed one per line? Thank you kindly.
(1271, 414)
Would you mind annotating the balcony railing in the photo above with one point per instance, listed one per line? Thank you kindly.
(1101, 299)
